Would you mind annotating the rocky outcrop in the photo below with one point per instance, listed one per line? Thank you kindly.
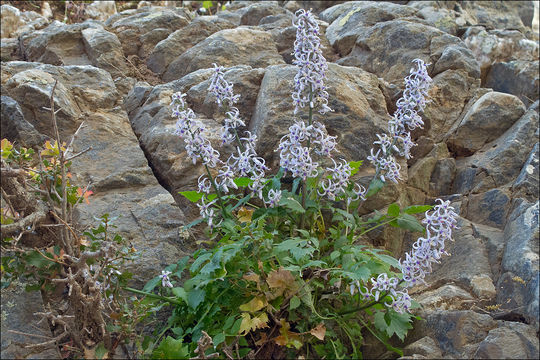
(479, 146)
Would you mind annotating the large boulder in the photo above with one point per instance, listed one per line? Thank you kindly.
(229, 47)
(388, 48)
(181, 40)
(140, 31)
(354, 95)
(500, 161)
(15, 127)
(485, 121)
(104, 50)
(517, 77)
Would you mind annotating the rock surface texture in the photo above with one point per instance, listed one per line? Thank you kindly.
(116, 73)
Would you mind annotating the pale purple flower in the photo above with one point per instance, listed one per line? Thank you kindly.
(222, 90)
(165, 281)
(309, 86)
(274, 196)
(225, 179)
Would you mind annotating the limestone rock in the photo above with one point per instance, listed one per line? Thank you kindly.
(485, 121)
(518, 77)
(11, 20)
(426, 346)
(229, 47)
(446, 297)
(181, 40)
(483, 287)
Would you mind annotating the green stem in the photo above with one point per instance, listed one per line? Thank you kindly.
(378, 225)
(172, 301)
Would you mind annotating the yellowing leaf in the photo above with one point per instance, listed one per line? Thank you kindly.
(281, 280)
(255, 304)
(245, 214)
(251, 277)
(318, 331)
(288, 338)
(248, 323)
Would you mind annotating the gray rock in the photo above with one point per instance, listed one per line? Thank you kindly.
(253, 13)
(442, 177)
(493, 239)
(240, 46)
(500, 161)
(526, 184)
(15, 127)
(18, 307)
(457, 332)
(518, 77)
(246, 83)
(181, 40)
(456, 57)
(439, 15)
(500, 15)
(446, 297)
(138, 32)
(333, 12)
(388, 48)
(490, 208)
(510, 340)
(426, 346)
(60, 44)
(469, 258)
(496, 46)
(358, 18)
(485, 121)
(520, 258)
(104, 50)
(358, 104)
(9, 50)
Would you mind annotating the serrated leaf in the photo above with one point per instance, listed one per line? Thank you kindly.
(355, 166)
(180, 292)
(374, 187)
(292, 204)
(199, 261)
(409, 222)
(399, 324)
(416, 209)
(393, 210)
(253, 323)
(192, 196)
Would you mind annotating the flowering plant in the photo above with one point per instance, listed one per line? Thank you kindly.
(279, 272)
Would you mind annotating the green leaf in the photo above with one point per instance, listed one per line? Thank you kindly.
(150, 285)
(416, 209)
(409, 222)
(243, 181)
(294, 303)
(292, 204)
(334, 255)
(374, 187)
(100, 351)
(393, 210)
(207, 4)
(171, 348)
(399, 324)
(388, 259)
(355, 165)
(236, 326)
(192, 196)
(34, 258)
(199, 261)
(218, 339)
(180, 292)
(195, 297)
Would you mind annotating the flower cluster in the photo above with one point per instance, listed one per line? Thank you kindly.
(193, 133)
(245, 162)
(308, 83)
(405, 119)
(165, 281)
(439, 225)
